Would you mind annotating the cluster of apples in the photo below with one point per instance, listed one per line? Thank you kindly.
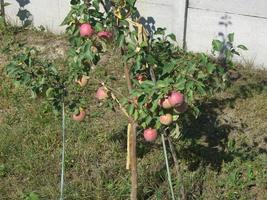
(101, 94)
(174, 100)
(86, 30)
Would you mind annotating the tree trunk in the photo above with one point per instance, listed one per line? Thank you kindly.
(133, 161)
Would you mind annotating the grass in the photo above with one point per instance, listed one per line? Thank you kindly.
(222, 157)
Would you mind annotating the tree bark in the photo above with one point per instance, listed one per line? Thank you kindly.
(133, 162)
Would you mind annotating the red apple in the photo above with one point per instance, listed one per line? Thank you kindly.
(79, 117)
(101, 93)
(83, 81)
(140, 78)
(150, 134)
(165, 103)
(86, 30)
(176, 98)
(166, 119)
(182, 108)
(104, 34)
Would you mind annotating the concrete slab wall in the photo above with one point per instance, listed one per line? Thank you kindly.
(47, 13)
(167, 13)
(194, 22)
(247, 19)
(204, 26)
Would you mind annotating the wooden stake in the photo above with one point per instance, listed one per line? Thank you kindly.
(129, 130)
(133, 163)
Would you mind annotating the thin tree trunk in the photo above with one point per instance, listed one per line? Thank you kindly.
(128, 77)
(133, 161)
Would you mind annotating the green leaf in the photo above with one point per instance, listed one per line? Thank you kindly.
(231, 37)
(67, 19)
(243, 47)
(204, 58)
(129, 55)
(180, 85)
(235, 52)
(160, 31)
(131, 2)
(151, 60)
(96, 4)
(98, 26)
(158, 124)
(169, 67)
(190, 96)
(163, 83)
(121, 40)
(154, 106)
(201, 90)
(147, 83)
(131, 109)
(148, 120)
(190, 85)
(124, 23)
(135, 115)
(210, 68)
(74, 2)
(172, 37)
(217, 45)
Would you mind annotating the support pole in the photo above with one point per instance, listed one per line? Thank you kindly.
(167, 166)
(133, 163)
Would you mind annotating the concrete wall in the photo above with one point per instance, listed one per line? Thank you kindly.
(195, 22)
(247, 19)
(48, 13)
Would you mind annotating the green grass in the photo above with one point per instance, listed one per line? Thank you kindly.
(223, 156)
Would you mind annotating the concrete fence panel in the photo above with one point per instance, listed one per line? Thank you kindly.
(207, 19)
(194, 22)
(47, 13)
(167, 13)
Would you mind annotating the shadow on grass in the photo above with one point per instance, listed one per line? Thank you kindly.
(210, 131)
